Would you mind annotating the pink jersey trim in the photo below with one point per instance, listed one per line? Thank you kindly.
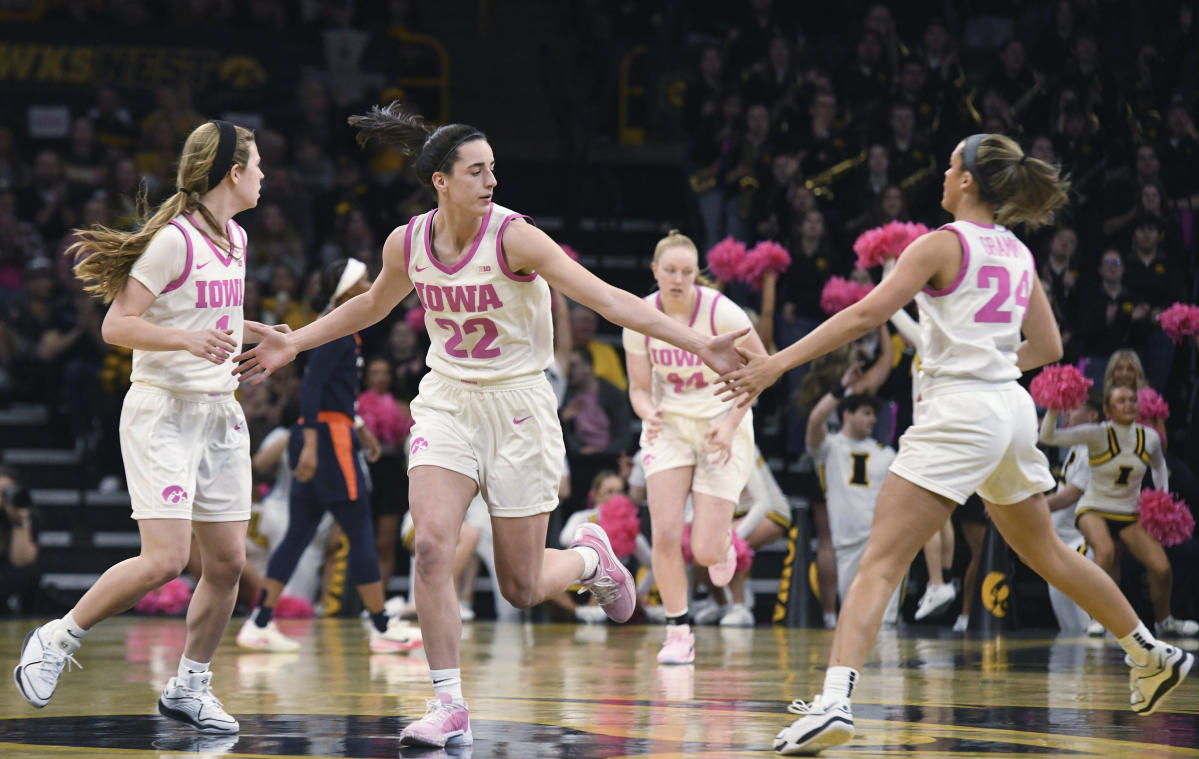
(499, 252)
(712, 314)
(226, 260)
(980, 224)
(187, 265)
(699, 296)
(245, 241)
(465, 259)
(961, 272)
(408, 245)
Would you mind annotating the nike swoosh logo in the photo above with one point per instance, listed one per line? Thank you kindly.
(201, 266)
(237, 427)
(418, 267)
(518, 421)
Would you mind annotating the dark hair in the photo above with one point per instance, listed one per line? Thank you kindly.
(1094, 402)
(1022, 189)
(851, 403)
(435, 149)
(330, 276)
(584, 354)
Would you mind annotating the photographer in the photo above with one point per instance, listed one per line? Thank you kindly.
(18, 544)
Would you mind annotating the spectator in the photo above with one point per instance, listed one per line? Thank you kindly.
(596, 421)
(18, 546)
(605, 360)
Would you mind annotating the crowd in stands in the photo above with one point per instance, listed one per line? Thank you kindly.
(800, 123)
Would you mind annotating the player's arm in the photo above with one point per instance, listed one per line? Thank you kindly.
(1042, 339)
(640, 384)
(527, 249)
(268, 454)
(123, 325)
(936, 253)
(275, 349)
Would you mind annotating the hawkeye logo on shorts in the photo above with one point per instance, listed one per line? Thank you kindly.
(174, 494)
(418, 445)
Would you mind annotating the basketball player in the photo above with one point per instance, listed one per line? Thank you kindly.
(1120, 451)
(977, 290)
(691, 442)
(485, 416)
(176, 289)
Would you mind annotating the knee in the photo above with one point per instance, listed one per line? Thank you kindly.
(1105, 557)
(520, 592)
(668, 538)
(224, 570)
(1159, 572)
(432, 557)
(708, 552)
(162, 568)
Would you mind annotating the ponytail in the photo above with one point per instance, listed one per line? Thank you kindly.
(435, 149)
(105, 256)
(1022, 189)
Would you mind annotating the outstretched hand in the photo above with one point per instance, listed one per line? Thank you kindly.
(748, 381)
(722, 354)
(273, 351)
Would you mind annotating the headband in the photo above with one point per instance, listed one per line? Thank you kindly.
(970, 161)
(350, 275)
(473, 134)
(223, 161)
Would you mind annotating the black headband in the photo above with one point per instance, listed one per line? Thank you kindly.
(970, 161)
(223, 161)
(475, 134)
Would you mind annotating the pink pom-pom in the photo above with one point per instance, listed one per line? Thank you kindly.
(415, 319)
(745, 554)
(840, 293)
(726, 259)
(1180, 320)
(1151, 406)
(574, 254)
(875, 246)
(294, 607)
(1060, 388)
(1166, 518)
(765, 256)
(618, 517)
(171, 598)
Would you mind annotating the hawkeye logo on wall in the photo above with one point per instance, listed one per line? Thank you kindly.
(133, 66)
(996, 592)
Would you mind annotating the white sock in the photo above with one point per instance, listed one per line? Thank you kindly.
(448, 681)
(839, 683)
(73, 627)
(1138, 644)
(187, 667)
(590, 561)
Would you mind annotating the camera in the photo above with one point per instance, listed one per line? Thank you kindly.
(16, 496)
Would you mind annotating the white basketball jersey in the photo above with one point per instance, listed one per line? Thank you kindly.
(485, 322)
(684, 381)
(1118, 468)
(851, 473)
(971, 329)
(197, 287)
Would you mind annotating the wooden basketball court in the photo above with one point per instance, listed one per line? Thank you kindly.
(549, 690)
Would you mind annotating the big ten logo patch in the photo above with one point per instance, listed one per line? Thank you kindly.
(996, 593)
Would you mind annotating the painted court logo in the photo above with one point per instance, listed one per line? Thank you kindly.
(174, 494)
(418, 445)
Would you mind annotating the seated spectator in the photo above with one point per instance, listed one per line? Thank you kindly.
(596, 420)
(604, 358)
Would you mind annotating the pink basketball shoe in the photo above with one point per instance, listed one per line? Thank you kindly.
(445, 723)
(611, 584)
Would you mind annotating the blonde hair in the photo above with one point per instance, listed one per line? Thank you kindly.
(676, 239)
(105, 256)
(1123, 354)
(1023, 189)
